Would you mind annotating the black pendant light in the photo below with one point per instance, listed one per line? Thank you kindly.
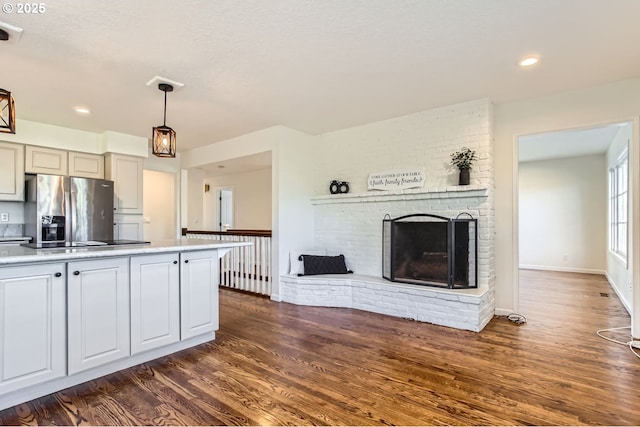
(7, 112)
(164, 138)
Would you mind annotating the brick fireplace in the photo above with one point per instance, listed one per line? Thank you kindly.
(350, 224)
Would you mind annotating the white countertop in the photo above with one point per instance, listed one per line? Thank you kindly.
(21, 254)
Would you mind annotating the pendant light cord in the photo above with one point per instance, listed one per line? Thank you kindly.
(164, 121)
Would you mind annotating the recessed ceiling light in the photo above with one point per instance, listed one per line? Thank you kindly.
(82, 110)
(529, 61)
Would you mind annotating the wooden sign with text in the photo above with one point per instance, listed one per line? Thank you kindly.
(396, 180)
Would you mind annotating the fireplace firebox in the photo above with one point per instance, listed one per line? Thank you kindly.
(431, 250)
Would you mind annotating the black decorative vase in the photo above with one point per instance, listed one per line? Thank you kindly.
(465, 177)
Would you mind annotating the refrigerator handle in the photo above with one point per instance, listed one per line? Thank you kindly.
(68, 222)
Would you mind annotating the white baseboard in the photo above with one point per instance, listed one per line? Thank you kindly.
(615, 289)
(562, 269)
(502, 312)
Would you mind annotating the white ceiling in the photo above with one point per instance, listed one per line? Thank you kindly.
(239, 165)
(568, 143)
(311, 65)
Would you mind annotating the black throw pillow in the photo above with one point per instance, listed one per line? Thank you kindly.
(321, 264)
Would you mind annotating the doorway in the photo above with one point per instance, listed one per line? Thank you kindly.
(563, 198)
(224, 208)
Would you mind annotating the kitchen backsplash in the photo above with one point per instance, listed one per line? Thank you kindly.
(14, 227)
(12, 230)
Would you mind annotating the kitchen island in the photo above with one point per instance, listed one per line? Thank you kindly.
(70, 315)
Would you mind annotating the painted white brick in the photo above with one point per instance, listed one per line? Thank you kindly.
(422, 140)
(465, 309)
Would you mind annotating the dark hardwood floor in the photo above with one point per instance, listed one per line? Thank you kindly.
(281, 364)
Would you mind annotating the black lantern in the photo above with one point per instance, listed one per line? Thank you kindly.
(164, 138)
(7, 112)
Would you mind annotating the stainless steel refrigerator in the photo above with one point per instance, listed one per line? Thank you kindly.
(68, 211)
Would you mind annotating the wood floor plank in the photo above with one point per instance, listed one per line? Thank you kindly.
(281, 364)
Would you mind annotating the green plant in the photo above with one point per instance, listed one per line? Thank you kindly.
(463, 158)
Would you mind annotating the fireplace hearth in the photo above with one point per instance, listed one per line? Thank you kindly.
(431, 250)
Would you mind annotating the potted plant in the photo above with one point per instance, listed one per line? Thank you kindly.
(463, 159)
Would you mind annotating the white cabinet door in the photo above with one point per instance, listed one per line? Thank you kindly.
(98, 312)
(198, 292)
(86, 165)
(155, 301)
(32, 324)
(45, 160)
(11, 171)
(129, 227)
(126, 172)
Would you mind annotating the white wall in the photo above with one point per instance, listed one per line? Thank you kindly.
(619, 271)
(293, 160)
(563, 214)
(195, 220)
(611, 103)
(422, 140)
(251, 200)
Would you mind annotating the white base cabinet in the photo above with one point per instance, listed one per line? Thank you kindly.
(98, 312)
(32, 324)
(115, 312)
(155, 301)
(199, 279)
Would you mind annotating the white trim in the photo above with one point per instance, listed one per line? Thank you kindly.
(633, 219)
(563, 269)
(515, 223)
(615, 289)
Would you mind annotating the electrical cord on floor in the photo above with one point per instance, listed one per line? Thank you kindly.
(517, 318)
(628, 343)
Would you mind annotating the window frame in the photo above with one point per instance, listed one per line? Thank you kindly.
(619, 206)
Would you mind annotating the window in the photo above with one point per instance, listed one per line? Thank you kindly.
(618, 196)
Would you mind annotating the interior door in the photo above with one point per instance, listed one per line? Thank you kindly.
(225, 209)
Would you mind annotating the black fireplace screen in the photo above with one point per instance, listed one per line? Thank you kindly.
(430, 250)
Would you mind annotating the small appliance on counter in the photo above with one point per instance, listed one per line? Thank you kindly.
(67, 211)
